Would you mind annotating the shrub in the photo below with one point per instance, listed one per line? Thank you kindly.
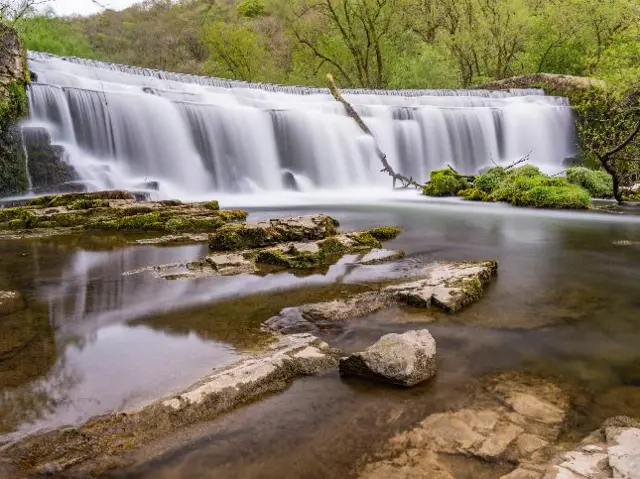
(444, 183)
(490, 180)
(556, 197)
(598, 183)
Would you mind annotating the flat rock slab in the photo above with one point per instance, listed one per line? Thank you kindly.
(611, 452)
(318, 316)
(483, 428)
(403, 359)
(447, 286)
(103, 442)
(294, 355)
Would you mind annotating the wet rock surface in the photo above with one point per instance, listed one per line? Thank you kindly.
(611, 452)
(10, 302)
(402, 359)
(448, 287)
(103, 442)
(510, 418)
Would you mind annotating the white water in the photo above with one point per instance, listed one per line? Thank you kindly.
(201, 136)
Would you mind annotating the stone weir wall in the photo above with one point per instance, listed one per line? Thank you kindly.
(13, 108)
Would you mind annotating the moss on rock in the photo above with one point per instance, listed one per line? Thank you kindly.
(527, 186)
(385, 233)
(445, 183)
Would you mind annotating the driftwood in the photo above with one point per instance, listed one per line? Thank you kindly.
(386, 167)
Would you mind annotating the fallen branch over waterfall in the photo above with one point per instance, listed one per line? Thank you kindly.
(405, 181)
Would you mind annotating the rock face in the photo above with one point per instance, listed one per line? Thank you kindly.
(13, 107)
(47, 165)
(611, 452)
(508, 418)
(403, 359)
(10, 301)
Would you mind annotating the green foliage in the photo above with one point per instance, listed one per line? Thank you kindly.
(60, 36)
(252, 8)
(432, 67)
(212, 205)
(13, 107)
(527, 186)
(444, 183)
(490, 180)
(598, 183)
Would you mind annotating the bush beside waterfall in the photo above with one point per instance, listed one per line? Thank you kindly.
(524, 186)
(598, 183)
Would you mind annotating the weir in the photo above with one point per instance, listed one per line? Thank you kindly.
(122, 126)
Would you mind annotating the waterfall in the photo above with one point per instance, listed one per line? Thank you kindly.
(196, 135)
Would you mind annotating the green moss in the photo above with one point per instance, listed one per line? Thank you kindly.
(273, 257)
(88, 204)
(385, 233)
(212, 205)
(332, 246)
(170, 202)
(188, 224)
(366, 239)
(228, 238)
(527, 186)
(444, 183)
(598, 183)
(76, 198)
(474, 194)
(233, 215)
(490, 180)
(556, 197)
(139, 222)
(13, 172)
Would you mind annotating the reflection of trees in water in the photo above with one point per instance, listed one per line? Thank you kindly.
(32, 401)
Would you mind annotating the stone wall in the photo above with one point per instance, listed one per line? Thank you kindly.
(13, 107)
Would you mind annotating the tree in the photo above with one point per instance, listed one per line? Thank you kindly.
(11, 11)
(609, 129)
(353, 38)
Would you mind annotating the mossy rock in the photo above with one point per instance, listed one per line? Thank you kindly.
(598, 183)
(212, 205)
(488, 181)
(474, 194)
(333, 246)
(70, 198)
(88, 204)
(445, 183)
(365, 238)
(385, 233)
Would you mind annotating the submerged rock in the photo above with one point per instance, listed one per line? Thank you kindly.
(509, 419)
(448, 286)
(403, 359)
(611, 452)
(317, 316)
(10, 302)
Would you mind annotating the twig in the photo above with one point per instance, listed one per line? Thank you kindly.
(521, 160)
(405, 181)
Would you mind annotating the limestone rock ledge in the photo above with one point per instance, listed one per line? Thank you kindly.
(103, 442)
(446, 286)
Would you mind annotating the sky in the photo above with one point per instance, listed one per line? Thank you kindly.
(87, 7)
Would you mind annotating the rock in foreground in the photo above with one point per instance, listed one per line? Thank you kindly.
(403, 359)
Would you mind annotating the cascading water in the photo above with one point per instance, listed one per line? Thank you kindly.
(197, 135)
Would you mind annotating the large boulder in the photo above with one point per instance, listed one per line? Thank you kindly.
(403, 359)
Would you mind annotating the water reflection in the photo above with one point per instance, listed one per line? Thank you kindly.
(98, 340)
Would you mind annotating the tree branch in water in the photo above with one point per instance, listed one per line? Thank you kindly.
(386, 167)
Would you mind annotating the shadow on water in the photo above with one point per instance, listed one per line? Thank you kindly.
(565, 304)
